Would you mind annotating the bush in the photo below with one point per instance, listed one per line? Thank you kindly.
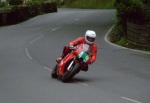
(3, 4)
(15, 13)
(15, 2)
(34, 7)
(34, 2)
(37, 7)
(129, 10)
(48, 7)
(4, 7)
(115, 34)
(92, 4)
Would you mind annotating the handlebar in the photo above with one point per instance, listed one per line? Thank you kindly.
(72, 47)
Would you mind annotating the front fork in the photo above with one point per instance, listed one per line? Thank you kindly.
(69, 68)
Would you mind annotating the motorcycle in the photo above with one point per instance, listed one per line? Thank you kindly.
(74, 62)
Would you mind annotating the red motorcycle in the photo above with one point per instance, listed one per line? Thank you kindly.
(74, 62)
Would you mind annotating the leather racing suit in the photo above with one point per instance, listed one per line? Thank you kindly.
(92, 50)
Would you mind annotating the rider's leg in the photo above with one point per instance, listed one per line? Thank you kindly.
(66, 50)
(84, 67)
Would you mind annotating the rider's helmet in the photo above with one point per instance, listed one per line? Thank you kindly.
(90, 36)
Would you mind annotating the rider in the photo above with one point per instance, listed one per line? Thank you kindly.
(88, 39)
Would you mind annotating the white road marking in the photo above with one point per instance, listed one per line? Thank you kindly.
(77, 19)
(84, 84)
(107, 35)
(47, 68)
(36, 39)
(106, 38)
(131, 100)
(28, 54)
(41, 36)
(54, 29)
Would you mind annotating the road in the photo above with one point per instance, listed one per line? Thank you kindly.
(28, 51)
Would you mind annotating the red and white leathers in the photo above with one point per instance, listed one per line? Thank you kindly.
(76, 42)
(93, 48)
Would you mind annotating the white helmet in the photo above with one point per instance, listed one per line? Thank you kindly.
(90, 36)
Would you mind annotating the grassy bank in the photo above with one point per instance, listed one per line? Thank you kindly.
(90, 4)
(122, 41)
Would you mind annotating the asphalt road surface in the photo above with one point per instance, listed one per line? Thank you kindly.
(28, 51)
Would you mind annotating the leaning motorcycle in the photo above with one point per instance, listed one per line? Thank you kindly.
(75, 61)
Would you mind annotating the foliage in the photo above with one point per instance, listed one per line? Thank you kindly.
(129, 7)
(92, 4)
(129, 10)
(4, 7)
(15, 2)
(34, 2)
(38, 2)
(117, 39)
(3, 4)
(133, 11)
(18, 13)
(115, 34)
(123, 42)
(49, 1)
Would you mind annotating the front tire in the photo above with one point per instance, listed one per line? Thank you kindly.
(70, 74)
(54, 72)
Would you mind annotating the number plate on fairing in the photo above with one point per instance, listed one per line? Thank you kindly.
(84, 56)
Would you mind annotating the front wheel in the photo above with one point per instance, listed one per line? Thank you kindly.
(70, 74)
(54, 72)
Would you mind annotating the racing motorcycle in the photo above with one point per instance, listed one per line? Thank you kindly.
(75, 61)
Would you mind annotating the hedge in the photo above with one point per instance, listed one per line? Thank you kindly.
(17, 14)
(135, 12)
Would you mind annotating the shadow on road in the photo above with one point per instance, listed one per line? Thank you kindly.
(79, 79)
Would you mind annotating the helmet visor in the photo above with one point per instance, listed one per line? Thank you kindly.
(90, 39)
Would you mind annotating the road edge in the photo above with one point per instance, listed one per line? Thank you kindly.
(106, 38)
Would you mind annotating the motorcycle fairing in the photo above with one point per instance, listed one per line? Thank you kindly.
(69, 57)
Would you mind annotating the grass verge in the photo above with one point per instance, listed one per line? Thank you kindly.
(122, 41)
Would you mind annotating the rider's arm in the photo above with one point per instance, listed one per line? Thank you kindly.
(76, 41)
(93, 55)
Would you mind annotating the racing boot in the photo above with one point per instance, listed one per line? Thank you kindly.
(58, 59)
(85, 68)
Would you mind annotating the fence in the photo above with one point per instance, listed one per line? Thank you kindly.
(138, 34)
